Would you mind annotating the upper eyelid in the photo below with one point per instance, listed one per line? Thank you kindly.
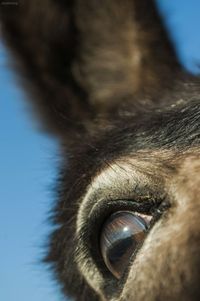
(119, 180)
(148, 206)
(136, 204)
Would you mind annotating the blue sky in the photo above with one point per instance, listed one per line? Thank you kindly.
(28, 168)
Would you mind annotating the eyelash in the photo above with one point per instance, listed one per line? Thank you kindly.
(105, 208)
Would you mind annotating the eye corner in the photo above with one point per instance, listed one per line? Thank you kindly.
(158, 211)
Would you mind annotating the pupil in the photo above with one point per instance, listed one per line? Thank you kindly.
(120, 249)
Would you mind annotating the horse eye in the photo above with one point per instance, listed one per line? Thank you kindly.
(121, 235)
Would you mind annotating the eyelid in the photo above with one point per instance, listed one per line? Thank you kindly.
(88, 256)
(119, 180)
(107, 189)
(143, 205)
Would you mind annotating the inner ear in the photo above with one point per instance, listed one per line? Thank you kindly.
(124, 51)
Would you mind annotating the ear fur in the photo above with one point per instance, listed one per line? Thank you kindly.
(42, 36)
(83, 58)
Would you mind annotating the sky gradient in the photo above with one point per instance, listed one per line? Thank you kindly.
(28, 168)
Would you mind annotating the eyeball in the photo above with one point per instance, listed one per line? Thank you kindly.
(121, 235)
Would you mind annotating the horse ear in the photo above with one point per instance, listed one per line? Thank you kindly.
(42, 37)
(83, 58)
